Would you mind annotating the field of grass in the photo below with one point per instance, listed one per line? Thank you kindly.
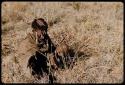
(94, 30)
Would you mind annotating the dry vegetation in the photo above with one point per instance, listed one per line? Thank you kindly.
(93, 30)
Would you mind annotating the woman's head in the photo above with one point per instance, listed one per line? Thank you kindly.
(40, 24)
(40, 27)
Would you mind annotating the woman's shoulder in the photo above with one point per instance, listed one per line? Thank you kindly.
(31, 37)
(27, 45)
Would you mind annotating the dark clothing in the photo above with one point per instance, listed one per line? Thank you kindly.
(38, 61)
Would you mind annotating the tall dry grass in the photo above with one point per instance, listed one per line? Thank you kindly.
(94, 30)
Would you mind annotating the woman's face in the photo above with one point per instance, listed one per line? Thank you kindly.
(39, 33)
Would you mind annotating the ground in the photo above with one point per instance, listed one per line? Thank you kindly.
(94, 30)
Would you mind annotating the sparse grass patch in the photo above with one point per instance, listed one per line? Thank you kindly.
(76, 6)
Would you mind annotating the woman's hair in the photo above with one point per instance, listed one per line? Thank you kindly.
(40, 23)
